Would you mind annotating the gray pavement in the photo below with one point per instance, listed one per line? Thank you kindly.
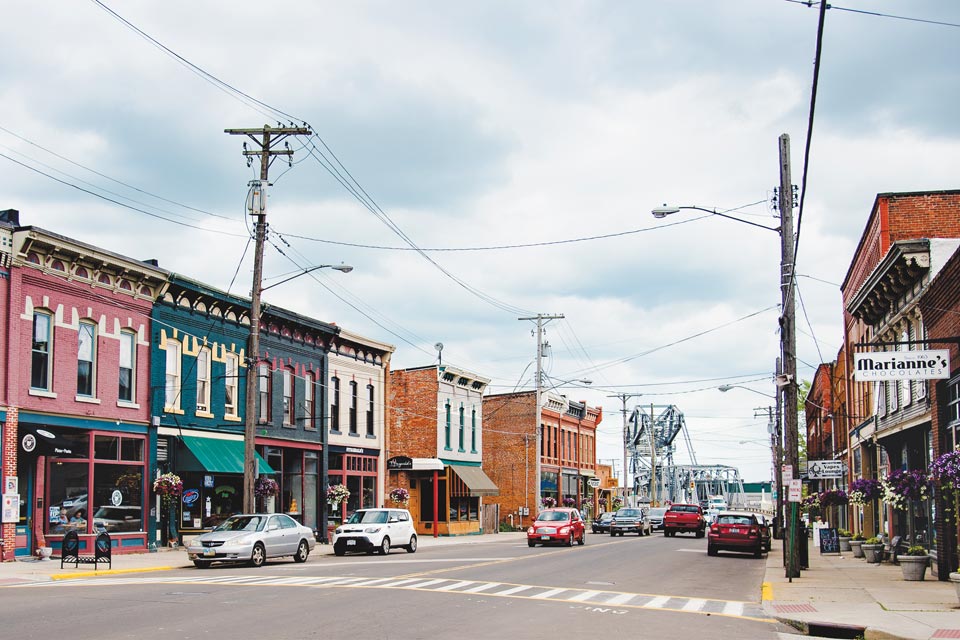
(843, 590)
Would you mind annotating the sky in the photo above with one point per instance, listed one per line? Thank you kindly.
(520, 147)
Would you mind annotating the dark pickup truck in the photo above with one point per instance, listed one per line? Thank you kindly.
(684, 517)
(631, 520)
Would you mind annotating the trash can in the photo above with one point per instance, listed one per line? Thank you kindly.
(804, 548)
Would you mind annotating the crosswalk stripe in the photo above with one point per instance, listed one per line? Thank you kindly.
(421, 585)
(694, 604)
(510, 592)
(733, 609)
(623, 598)
(371, 582)
(399, 583)
(482, 587)
(657, 603)
(585, 595)
(455, 585)
(550, 593)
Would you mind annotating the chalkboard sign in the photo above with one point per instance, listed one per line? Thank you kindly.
(829, 541)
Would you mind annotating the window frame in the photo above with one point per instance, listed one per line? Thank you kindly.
(231, 380)
(461, 437)
(447, 427)
(87, 328)
(204, 368)
(371, 396)
(288, 399)
(46, 353)
(335, 404)
(264, 393)
(352, 415)
(131, 350)
(173, 381)
(309, 406)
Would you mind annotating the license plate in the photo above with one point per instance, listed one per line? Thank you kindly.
(351, 543)
(209, 552)
(544, 537)
(734, 530)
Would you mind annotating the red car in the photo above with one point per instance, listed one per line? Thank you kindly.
(557, 525)
(736, 531)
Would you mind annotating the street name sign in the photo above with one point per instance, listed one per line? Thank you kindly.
(879, 366)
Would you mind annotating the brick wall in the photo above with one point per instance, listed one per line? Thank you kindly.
(510, 450)
(9, 469)
(413, 413)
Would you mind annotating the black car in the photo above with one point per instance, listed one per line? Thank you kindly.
(601, 524)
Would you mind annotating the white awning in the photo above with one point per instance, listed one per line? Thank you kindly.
(427, 464)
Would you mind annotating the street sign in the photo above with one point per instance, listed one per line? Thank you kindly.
(794, 491)
(824, 469)
(593, 482)
(787, 474)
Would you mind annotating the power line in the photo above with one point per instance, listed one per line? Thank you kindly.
(940, 23)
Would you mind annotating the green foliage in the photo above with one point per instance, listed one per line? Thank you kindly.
(857, 536)
(873, 540)
(843, 533)
(505, 527)
(916, 550)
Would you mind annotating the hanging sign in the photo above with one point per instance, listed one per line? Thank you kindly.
(880, 366)
(824, 469)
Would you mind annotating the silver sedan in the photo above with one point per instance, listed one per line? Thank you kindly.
(253, 538)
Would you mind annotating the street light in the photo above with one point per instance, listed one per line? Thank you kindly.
(726, 387)
(344, 268)
(786, 379)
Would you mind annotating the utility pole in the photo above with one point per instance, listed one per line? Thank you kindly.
(788, 347)
(653, 459)
(623, 399)
(772, 430)
(540, 318)
(268, 136)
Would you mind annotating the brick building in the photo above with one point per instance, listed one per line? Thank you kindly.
(567, 452)
(436, 448)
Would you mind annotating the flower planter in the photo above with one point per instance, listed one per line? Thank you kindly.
(914, 567)
(844, 544)
(855, 546)
(872, 552)
(955, 579)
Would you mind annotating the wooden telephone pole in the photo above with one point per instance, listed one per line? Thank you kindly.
(265, 138)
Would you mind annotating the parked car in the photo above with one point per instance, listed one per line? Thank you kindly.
(656, 517)
(681, 518)
(736, 531)
(601, 524)
(557, 525)
(252, 538)
(766, 530)
(369, 530)
(631, 520)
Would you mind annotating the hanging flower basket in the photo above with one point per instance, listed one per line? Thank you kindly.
(548, 502)
(400, 497)
(833, 498)
(864, 491)
(337, 493)
(617, 503)
(569, 502)
(169, 487)
(265, 487)
(902, 486)
(945, 470)
(811, 504)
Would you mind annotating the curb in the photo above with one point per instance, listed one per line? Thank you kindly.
(105, 572)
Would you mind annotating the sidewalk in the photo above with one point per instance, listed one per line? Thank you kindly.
(31, 570)
(843, 590)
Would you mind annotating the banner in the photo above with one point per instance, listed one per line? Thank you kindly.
(881, 366)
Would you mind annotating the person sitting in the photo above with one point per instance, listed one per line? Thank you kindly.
(78, 518)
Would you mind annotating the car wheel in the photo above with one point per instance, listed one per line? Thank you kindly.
(583, 538)
(202, 564)
(385, 546)
(259, 555)
(612, 533)
(570, 539)
(758, 553)
(531, 543)
(303, 550)
(699, 534)
(412, 547)
(711, 551)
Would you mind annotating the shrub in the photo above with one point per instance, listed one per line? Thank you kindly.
(857, 536)
(843, 533)
(916, 550)
(873, 540)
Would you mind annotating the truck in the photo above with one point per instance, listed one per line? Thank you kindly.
(631, 520)
(681, 518)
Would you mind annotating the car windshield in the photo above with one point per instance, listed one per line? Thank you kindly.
(657, 511)
(630, 513)
(241, 523)
(684, 508)
(736, 520)
(553, 516)
(368, 517)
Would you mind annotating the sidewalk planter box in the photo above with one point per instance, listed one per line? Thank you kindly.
(844, 543)
(872, 552)
(955, 580)
(914, 567)
(855, 546)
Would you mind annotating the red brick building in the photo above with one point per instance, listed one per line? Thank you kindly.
(567, 452)
(435, 449)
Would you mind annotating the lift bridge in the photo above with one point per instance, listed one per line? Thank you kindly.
(682, 483)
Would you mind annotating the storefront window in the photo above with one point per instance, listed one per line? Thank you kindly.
(311, 475)
(369, 491)
(293, 483)
(67, 486)
(117, 498)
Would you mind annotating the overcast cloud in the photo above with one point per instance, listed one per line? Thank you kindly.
(500, 123)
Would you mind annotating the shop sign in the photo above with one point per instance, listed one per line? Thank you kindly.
(400, 463)
(880, 366)
(824, 469)
(116, 498)
(208, 482)
(190, 496)
(593, 482)
(354, 450)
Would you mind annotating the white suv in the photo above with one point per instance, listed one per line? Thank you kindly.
(371, 530)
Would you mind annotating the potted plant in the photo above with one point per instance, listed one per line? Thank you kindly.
(872, 549)
(856, 545)
(337, 493)
(548, 502)
(266, 488)
(844, 536)
(617, 502)
(400, 497)
(914, 563)
(569, 502)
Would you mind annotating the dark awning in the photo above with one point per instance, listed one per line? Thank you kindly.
(476, 480)
(218, 456)
(45, 442)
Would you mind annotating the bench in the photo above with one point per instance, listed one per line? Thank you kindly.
(70, 551)
(894, 548)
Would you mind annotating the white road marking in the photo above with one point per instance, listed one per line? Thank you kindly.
(455, 585)
(694, 604)
(585, 595)
(623, 598)
(421, 585)
(550, 594)
(510, 592)
(657, 603)
(482, 587)
(733, 609)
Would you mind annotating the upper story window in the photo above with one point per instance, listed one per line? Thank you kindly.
(353, 407)
(447, 427)
(370, 396)
(172, 386)
(42, 350)
(57, 265)
(86, 359)
(231, 384)
(309, 389)
(335, 404)
(263, 386)
(462, 429)
(81, 272)
(287, 397)
(473, 430)
(203, 380)
(104, 279)
(128, 366)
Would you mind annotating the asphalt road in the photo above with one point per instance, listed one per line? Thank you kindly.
(649, 587)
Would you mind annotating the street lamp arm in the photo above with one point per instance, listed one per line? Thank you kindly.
(665, 210)
(339, 267)
(726, 387)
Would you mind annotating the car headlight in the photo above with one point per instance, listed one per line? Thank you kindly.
(565, 530)
(337, 531)
(371, 530)
(530, 530)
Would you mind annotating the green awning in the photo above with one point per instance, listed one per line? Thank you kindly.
(217, 456)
